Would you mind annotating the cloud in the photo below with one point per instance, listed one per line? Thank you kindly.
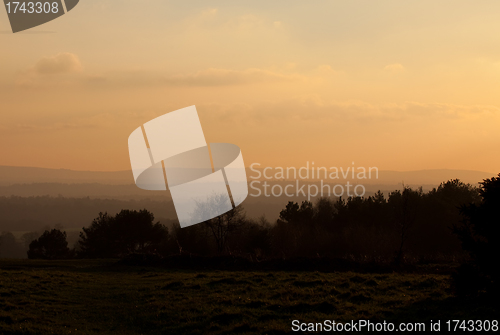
(219, 77)
(61, 69)
(394, 68)
(61, 63)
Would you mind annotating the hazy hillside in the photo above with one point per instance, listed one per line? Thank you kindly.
(25, 175)
(31, 198)
(10, 175)
(33, 213)
(92, 190)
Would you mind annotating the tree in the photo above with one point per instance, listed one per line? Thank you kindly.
(295, 214)
(406, 206)
(479, 232)
(456, 192)
(293, 234)
(29, 237)
(222, 226)
(324, 211)
(125, 233)
(51, 245)
(195, 239)
(439, 213)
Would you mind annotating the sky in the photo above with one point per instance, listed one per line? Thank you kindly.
(389, 84)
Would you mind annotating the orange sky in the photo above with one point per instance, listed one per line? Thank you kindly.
(400, 86)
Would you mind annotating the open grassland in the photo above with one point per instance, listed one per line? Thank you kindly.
(99, 297)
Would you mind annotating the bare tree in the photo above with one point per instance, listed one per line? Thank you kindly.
(224, 225)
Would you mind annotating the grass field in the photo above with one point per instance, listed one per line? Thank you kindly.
(99, 297)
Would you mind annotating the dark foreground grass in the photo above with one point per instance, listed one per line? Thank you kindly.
(98, 297)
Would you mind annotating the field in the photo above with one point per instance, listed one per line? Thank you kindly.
(100, 297)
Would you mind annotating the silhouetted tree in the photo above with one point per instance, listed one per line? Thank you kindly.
(253, 238)
(295, 214)
(479, 233)
(222, 226)
(51, 245)
(324, 211)
(406, 206)
(433, 233)
(29, 237)
(127, 232)
(195, 239)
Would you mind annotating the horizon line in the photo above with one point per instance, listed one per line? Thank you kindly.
(246, 167)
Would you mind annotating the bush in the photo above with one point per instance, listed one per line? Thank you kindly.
(51, 245)
(127, 232)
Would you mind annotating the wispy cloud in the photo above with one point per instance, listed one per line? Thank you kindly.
(217, 77)
(313, 108)
(61, 68)
(61, 63)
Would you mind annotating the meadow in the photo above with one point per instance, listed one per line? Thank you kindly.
(102, 297)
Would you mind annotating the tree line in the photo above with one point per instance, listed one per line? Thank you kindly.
(455, 221)
(404, 224)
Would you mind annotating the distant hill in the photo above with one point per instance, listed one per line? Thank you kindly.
(26, 175)
(432, 177)
(47, 194)
(10, 175)
(33, 213)
(92, 190)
